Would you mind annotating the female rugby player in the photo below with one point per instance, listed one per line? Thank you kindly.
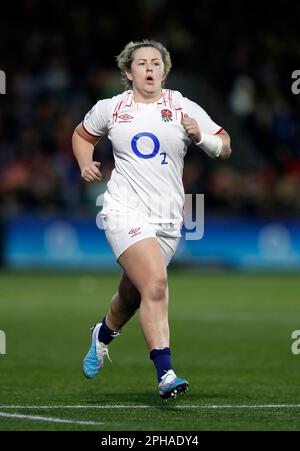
(150, 129)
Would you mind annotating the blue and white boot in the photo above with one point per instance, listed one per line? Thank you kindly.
(170, 385)
(94, 360)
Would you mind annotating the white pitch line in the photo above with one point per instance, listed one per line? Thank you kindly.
(141, 406)
(49, 419)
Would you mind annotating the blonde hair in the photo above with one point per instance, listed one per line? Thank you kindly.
(125, 58)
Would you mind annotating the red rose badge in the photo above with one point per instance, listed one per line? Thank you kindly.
(166, 115)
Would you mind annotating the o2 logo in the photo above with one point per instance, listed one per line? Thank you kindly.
(156, 147)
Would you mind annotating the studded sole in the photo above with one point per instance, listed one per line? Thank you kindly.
(179, 389)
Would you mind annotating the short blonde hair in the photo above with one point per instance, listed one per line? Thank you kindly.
(125, 58)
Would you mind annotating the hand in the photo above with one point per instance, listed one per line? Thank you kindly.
(191, 127)
(91, 173)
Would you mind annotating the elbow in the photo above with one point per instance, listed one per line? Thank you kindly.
(226, 152)
(226, 148)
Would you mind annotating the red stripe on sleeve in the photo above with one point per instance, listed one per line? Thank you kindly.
(94, 136)
(219, 131)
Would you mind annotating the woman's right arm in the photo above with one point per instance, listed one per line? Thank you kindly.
(83, 144)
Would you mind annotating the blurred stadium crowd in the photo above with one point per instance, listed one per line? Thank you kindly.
(59, 60)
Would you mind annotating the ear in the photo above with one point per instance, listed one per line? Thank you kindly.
(128, 74)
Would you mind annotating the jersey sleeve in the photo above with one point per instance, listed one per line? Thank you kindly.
(96, 120)
(206, 124)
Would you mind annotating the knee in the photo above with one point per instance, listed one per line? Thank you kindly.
(156, 289)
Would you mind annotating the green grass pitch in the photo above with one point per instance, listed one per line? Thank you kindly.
(230, 337)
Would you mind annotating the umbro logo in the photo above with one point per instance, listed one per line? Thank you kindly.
(125, 118)
(134, 232)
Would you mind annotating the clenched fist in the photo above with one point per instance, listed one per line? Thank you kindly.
(191, 127)
(91, 173)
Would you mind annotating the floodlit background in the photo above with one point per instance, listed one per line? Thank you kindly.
(59, 60)
(234, 293)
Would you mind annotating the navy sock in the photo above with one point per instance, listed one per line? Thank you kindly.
(106, 335)
(162, 361)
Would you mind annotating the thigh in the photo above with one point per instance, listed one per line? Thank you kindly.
(168, 246)
(124, 229)
(144, 264)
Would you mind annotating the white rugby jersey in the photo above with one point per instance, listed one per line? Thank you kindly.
(149, 144)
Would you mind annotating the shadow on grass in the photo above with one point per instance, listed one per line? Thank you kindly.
(152, 400)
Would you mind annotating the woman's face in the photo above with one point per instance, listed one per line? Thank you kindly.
(147, 71)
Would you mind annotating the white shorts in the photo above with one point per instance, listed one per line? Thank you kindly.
(123, 229)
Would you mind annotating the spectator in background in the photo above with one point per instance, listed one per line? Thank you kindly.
(51, 80)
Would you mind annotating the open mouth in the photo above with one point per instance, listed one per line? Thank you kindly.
(149, 79)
